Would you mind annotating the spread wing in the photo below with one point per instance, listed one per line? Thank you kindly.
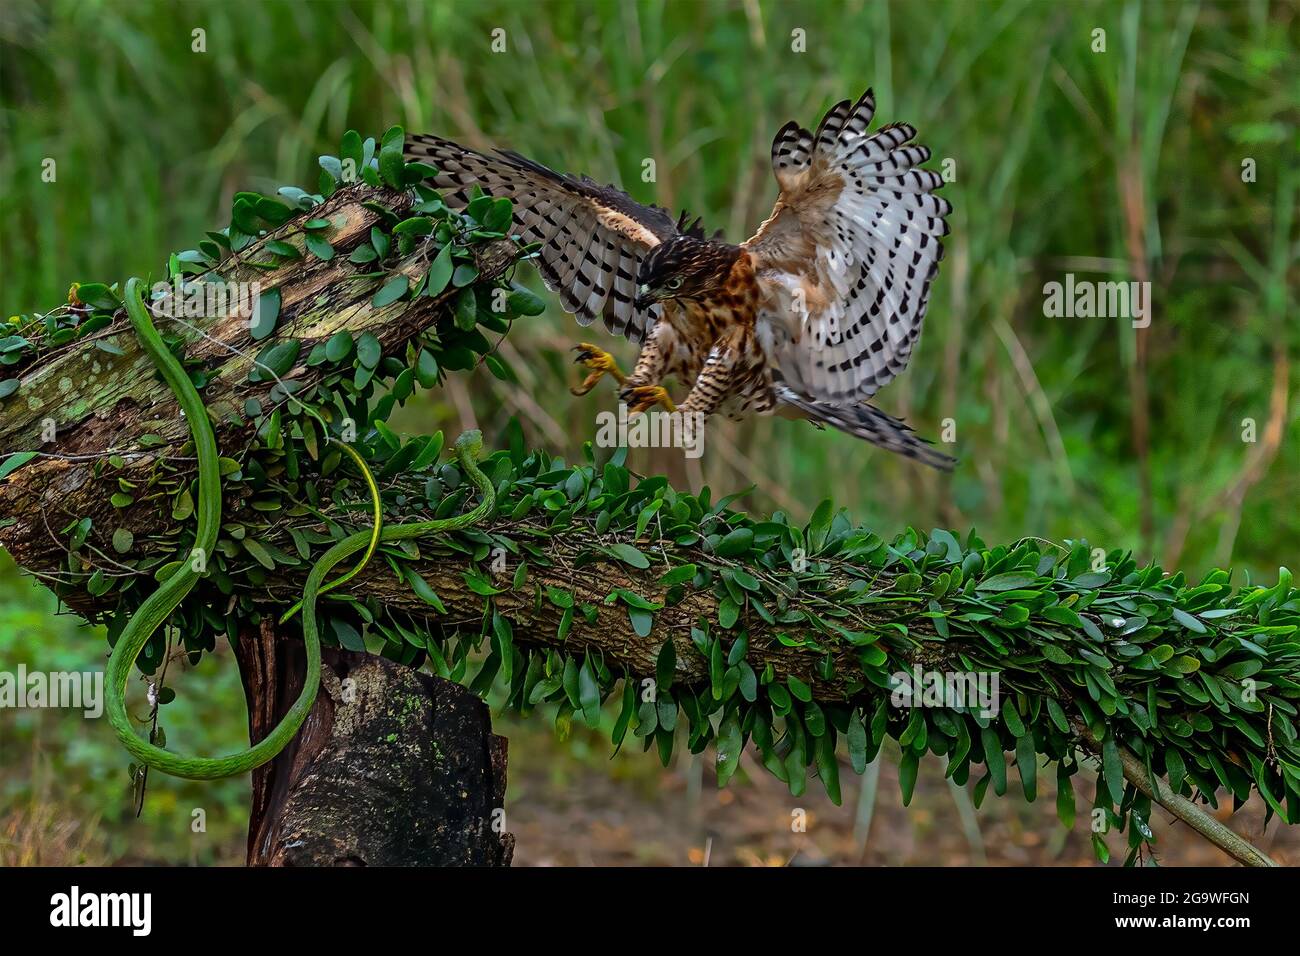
(593, 237)
(846, 259)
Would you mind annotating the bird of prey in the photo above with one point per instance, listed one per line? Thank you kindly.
(807, 318)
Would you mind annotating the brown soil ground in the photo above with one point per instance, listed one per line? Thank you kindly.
(568, 805)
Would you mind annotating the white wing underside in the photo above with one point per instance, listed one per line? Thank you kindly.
(846, 260)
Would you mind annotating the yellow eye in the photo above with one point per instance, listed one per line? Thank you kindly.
(674, 283)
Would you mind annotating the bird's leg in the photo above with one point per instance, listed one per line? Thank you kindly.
(640, 398)
(600, 362)
(713, 384)
(641, 391)
(651, 362)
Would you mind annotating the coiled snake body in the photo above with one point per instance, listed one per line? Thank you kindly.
(158, 606)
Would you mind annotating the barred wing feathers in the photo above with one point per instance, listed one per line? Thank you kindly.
(846, 259)
(593, 237)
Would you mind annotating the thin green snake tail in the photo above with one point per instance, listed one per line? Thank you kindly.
(377, 525)
(155, 610)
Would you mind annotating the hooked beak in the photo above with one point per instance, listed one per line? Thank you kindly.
(644, 299)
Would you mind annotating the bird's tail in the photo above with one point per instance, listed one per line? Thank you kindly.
(870, 423)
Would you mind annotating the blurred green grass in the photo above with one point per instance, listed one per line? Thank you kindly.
(1115, 165)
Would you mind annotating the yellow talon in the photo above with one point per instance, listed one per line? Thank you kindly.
(600, 362)
(641, 398)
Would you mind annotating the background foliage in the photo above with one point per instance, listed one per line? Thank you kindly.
(1111, 165)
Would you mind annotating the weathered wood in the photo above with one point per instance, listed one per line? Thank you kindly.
(391, 768)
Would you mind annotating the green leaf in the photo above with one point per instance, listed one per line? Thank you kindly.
(466, 310)
(994, 759)
(350, 148)
(589, 693)
(415, 226)
(729, 746)
(392, 290)
(525, 302)
(1011, 581)
(283, 249)
(503, 641)
(800, 690)
(259, 553)
(122, 540)
(439, 273)
(498, 215)
(625, 714)
(908, 765)
(98, 295)
(1011, 717)
(1190, 622)
(1113, 767)
(1064, 797)
(319, 246)
(1055, 654)
(716, 670)
(391, 166)
(857, 739)
(642, 621)
(15, 461)
(339, 346)
(735, 544)
(819, 524)
(98, 585)
(728, 612)
(1027, 764)
(276, 359)
(1175, 769)
(629, 555)
(479, 584)
(1058, 715)
(423, 590)
(748, 683)
(678, 575)
(828, 768)
(951, 547)
(561, 599)
(347, 635)
(738, 650)
(1100, 848)
(426, 369)
(183, 507)
(665, 666)
(266, 315)
(1059, 614)
(369, 350)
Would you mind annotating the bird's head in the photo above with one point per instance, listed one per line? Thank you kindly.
(683, 267)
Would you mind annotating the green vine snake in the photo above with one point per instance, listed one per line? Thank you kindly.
(155, 609)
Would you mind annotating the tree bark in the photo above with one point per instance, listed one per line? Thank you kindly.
(391, 768)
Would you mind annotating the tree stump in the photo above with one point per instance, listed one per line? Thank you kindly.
(392, 767)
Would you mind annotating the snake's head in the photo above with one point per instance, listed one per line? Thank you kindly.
(470, 443)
